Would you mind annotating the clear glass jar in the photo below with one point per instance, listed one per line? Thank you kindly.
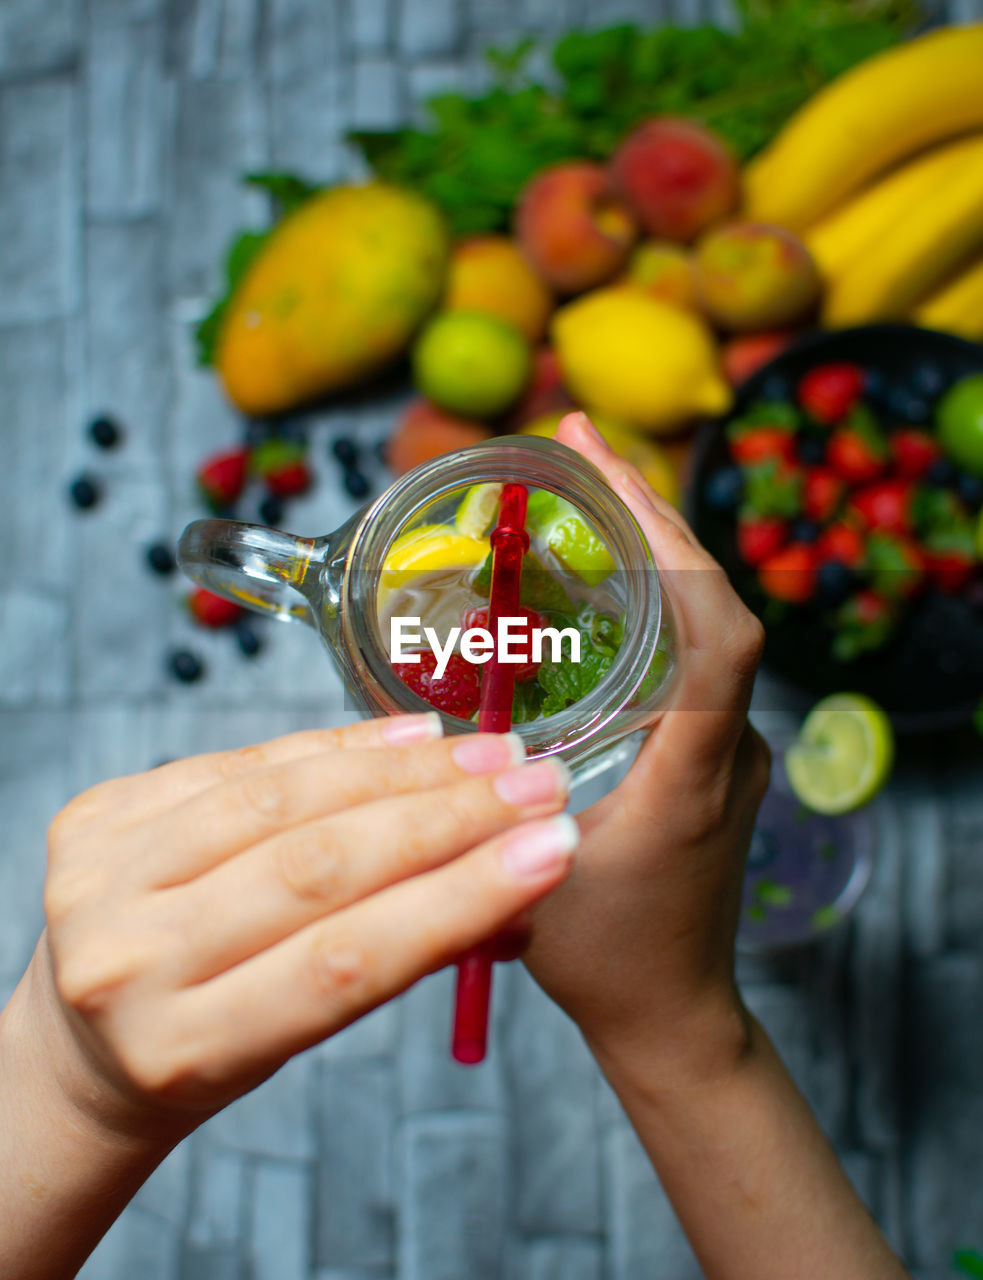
(332, 584)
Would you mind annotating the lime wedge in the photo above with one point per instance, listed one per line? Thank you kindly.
(843, 754)
(479, 506)
(568, 535)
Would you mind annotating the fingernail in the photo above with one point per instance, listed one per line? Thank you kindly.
(489, 752)
(401, 730)
(542, 783)
(635, 490)
(591, 430)
(541, 847)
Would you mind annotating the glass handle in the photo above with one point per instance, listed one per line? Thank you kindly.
(257, 567)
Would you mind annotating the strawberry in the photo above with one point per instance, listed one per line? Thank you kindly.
(760, 537)
(790, 574)
(822, 493)
(913, 451)
(222, 477)
(896, 565)
(830, 391)
(457, 692)
(843, 543)
(282, 466)
(887, 505)
(858, 450)
(210, 610)
(526, 670)
(950, 556)
(863, 623)
(757, 444)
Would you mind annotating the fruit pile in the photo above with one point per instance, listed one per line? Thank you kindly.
(852, 498)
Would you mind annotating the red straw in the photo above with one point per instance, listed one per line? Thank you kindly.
(509, 542)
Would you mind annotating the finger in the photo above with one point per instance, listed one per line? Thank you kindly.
(226, 819)
(271, 891)
(140, 795)
(250, 1019)
(720, 641)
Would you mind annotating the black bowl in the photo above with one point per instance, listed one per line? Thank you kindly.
(930, 676)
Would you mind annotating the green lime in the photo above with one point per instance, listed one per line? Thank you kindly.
(471, 363)
(979, 537)
(568, 535)
(843, 754)
(479, 506)
(960, 423)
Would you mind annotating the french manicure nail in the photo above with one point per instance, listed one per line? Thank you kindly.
(533, 784)
(402, 730)
(634, 490)
(540, 847)
(488, 752)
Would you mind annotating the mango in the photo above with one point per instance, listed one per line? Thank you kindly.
(339, 291)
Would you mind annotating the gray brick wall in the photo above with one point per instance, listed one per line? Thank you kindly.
(123, 127)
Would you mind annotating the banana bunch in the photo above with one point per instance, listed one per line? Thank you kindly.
(882, 175)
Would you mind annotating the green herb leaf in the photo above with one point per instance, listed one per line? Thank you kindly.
(969, 1262)
(287, 189)
(772, 488)
(242, 253)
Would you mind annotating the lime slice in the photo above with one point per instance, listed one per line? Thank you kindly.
(568, 535)
(477, 511)
(843, 754)
(435, 546)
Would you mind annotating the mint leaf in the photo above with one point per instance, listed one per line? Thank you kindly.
(969, 1262)
(765, 413)
(287, 189)
(566, 682)
(241, 255)
(773, 488)
(978, 719)
(527, 702)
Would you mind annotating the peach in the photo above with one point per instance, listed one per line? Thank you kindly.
(545, 392)
(743, 356)
(664, 271)
(677, 176)
(425, 432)
(490, 274)
(751, 275)
(573, 228)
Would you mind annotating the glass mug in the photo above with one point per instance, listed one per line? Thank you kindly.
(332, 584)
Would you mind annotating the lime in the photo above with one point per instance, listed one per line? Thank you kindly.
(960, 423)
(478, 509)
(568, 535)
(979, 537)
(843, 754)
(471, 363)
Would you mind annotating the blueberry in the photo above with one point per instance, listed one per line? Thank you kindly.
(185, 666)
(928, 380)
(941, 472)
(812, 450)
(291, 429)
(805, 531)
(909, 407)
(970, 488)
(381, 451)
(248, 641)
(725, 488)
(345, 450)
(105, 432)
(271, 510)
(834, 582)
(776, 387)
(161, 559)
(974, 596)
(256, 431)
(875, 385)
(356, 484)
(84, 492)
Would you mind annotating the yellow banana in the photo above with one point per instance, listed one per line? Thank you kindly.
(866, 120)
(843, 235)
(957, 307)
(926, 243)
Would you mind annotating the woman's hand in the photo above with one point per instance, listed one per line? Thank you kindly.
(637, 945)
(211, 918)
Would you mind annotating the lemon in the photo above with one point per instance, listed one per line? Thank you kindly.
(843, 754)
(435, 546)
(635, 448)
(644, 361)
(478, 509)
(568, 535)
(471, 363)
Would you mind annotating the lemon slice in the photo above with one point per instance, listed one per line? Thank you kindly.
(478, 508)
(843, 754)
(568, 535)
(435, 546)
